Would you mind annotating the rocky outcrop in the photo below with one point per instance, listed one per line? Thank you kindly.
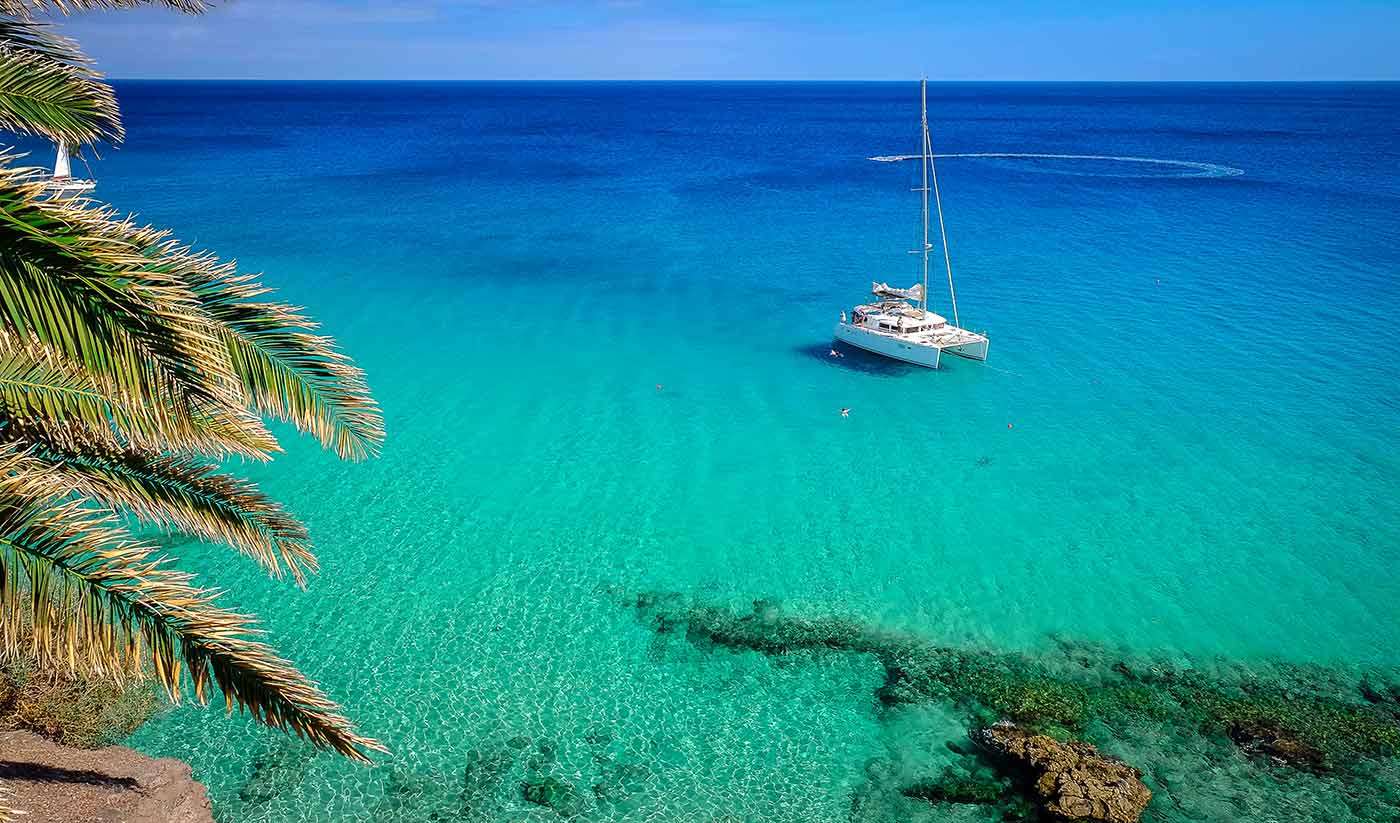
(1278, 745)
(111, 785)
(1069, 781)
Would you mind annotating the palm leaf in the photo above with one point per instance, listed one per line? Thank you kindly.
(98, 291)
(50, 98)
(99, 600)
(41, 38)
(288, 371)
(27, 8)
(193, 497)
(46, 399)
(58, 404)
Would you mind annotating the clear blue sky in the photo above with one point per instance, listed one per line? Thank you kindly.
(746, 39)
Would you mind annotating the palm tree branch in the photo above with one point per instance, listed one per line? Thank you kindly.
(99, 600)
(300, 377)
(44, 398)
(41, 38)
(99, 291)
(28, 8)
(40, 95)
(287, 370)
(190, 496)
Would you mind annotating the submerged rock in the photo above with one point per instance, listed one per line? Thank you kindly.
(412, 797)
(1325, 718)
(278, 768)
(954, 786)
(1277, 744)
(1069, 781)
(485, 770)
(554, 793)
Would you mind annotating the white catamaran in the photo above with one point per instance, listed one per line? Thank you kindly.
(63, 183)
(898, 323)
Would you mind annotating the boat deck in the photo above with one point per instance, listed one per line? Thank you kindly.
(898, 321)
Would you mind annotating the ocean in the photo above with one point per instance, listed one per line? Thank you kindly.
(598, 317)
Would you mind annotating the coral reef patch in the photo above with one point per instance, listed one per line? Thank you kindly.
(1069, 781)
(1042, 719)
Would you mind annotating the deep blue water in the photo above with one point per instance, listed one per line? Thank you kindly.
(1184, 444)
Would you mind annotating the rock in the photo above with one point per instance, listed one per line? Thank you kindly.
(1259, 737)
(1373, 692)
(279, 767)
(621, 782)
(556, 794)
(1069, 781)
(411, 797)
(115, 784)
(485, 771)
(954, 786)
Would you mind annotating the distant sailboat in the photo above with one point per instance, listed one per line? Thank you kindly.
(63, 183)
(898, 324)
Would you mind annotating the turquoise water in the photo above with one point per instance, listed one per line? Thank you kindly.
(1184, 444)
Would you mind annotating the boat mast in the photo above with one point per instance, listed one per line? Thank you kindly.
(923, 94)
(930, 168)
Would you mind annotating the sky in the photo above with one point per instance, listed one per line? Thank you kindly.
(750, 39)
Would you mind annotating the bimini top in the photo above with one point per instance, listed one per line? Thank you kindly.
(914, 292)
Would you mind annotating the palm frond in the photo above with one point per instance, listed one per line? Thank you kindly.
(99, 600)
(98, 290)
(288, 371)
(190, 496)
(44, 398)
(28, 8)
(41, 38)
(50, 98)
(58, 404)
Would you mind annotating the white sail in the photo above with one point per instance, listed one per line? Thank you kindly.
(61, 168)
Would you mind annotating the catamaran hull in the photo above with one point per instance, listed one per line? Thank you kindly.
(925, 356)
(972, 351)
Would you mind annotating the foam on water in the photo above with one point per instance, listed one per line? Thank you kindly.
(1192, 168)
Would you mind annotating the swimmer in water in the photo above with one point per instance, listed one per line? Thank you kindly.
(845, 412)
(835, 353)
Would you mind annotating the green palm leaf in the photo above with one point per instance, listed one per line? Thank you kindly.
(99, 292)
(99, 600)
(287, 370)
(43, 96)
(190, 496)
(27, 8)
(45, 398)
(128, 360)
(59, 404)
(41, 38)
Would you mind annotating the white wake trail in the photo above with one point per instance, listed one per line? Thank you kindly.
(1199, 169)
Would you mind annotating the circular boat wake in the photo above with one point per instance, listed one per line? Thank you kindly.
(1182, 168)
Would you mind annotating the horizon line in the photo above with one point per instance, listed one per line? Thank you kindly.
(1375, 80)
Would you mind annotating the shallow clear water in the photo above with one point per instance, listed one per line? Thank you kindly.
(1184, 444)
